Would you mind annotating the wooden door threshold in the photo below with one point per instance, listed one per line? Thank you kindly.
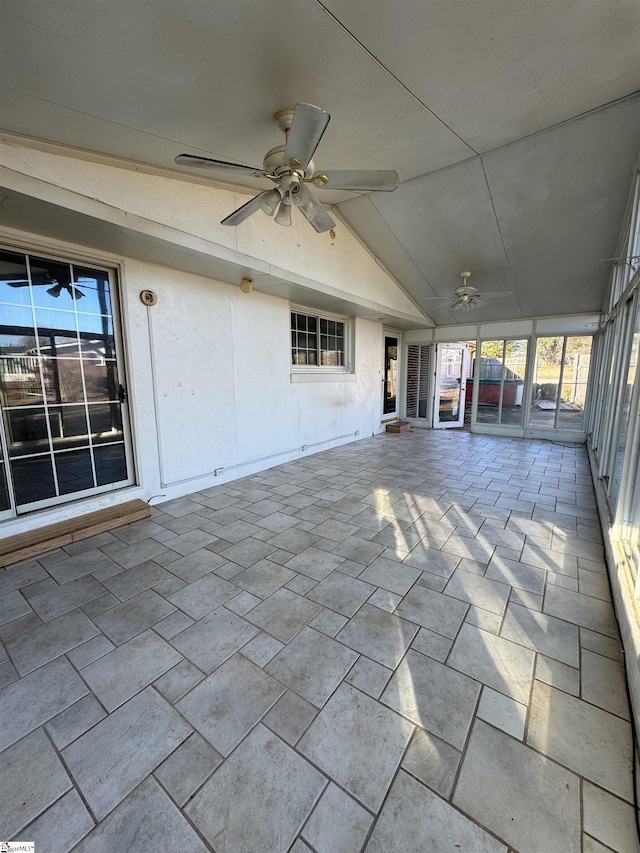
(25, 546)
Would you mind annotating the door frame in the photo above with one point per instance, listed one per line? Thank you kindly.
(388, 417)
(440, 349)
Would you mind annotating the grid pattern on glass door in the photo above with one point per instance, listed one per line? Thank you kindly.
(60, 395)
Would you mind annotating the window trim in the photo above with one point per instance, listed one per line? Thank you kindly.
(325, 370)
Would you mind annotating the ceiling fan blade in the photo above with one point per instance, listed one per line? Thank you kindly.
(307, 126)
(478, 303)
(369, 180)
(245, 211)
(497, 293)
(16, 279)
(219, 165)
(315, 212)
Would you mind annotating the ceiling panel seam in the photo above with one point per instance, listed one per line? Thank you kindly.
(349, 225)
(393, 76)
(579, 117)
(504, 248)
(337, 209)
(410, 256)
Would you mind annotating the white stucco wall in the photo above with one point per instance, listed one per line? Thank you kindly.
(214, 364)
(209, 367)
(210, 386)
(187, 210)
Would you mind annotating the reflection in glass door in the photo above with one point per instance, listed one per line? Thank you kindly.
(451, 372)
(63, 429)
(390, 381)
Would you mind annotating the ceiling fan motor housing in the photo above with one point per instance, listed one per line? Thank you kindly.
(274, 163)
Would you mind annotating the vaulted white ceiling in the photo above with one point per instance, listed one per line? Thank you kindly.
(514, 124)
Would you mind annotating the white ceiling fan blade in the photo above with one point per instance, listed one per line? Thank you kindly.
(476, 302)
(219, 165)
(313, 210)
(496, 294)
(368, 180)
(307, 127)
(245, 211)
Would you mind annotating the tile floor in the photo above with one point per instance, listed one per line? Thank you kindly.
(404, 644)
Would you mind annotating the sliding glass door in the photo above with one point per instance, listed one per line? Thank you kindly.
(63, 430)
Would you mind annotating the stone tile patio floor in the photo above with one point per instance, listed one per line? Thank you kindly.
(402, 644)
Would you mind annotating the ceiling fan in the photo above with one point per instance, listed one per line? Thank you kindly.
(42, 279)
(292, 170)
(466, 297)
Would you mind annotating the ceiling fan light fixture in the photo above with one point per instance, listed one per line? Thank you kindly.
(300, 195)
(283, 216)
(269, 202)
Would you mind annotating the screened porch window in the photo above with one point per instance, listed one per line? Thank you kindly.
(560, 379)
(501, 375)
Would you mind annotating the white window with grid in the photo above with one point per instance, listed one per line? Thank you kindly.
(319, 342)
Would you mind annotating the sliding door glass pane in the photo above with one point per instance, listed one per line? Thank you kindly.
(111, 463)
(20, 380)
(490, 381)
(59, 383)
(62, 380)
(29, 429)
(14, 280)
(106, 422)
(4, 487)
(625, 415)
(33, 479)
(515, 362)
(575, 375)
(74, 471)
(94, 287)
(501, 380)
(546, 381)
